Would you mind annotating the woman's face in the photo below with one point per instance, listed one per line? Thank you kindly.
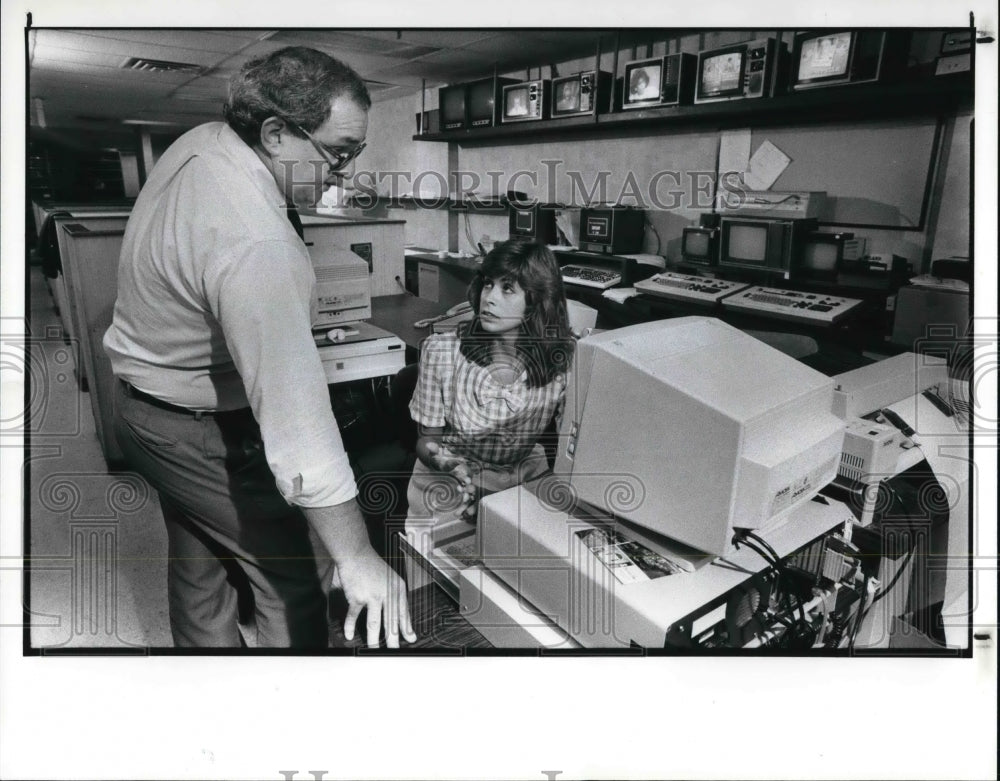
(502, 306)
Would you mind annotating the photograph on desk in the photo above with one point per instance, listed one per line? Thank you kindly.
(750, 386)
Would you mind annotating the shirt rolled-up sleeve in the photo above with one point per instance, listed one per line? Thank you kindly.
(262, 302)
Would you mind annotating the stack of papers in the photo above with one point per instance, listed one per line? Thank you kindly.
(926, 280)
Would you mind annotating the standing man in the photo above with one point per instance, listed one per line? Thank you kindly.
(222, 402)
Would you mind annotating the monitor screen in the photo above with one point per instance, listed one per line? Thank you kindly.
(644, 80)
(567, 94)
(515, 102)
(819, 256)
(481, 99)
(655, 432)
(825, 56)
(453, 104)
(695, 244)
(597, 228)
(748, 243)
(524, 221)
(722, 72)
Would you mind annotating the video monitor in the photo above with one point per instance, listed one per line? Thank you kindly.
(481, 102)
(452, 107)
(524, 221)
(567, 95)
(747, 243)
(825, 56)
(515, 102)
(722, 73)
(643, 82)
(820, 257)
(831, 58)
(698, 245)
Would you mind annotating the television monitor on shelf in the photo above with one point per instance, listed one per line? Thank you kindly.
(695, 457)
(579, 94)
(526, 102)
(834, 58)
(743, 70)
(642, 83)
(482, 99)
(658, 81)
(451, 102)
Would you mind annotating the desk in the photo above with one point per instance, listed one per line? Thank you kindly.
(398, 313)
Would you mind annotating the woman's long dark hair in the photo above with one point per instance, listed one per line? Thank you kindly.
(544, 342)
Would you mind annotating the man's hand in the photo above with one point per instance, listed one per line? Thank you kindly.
(369, 583)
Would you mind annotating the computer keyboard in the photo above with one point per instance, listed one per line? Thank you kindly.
(590, 276)
(685, 287)
(795, 305)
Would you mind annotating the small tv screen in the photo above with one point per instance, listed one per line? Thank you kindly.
(481, 101)
(452, 105)
(819, 256)
(695, 244)
(524, 221)
(567, 94)
(516, 102)
(644, 80)
(748, 243)
(825, 56)
(722, 72)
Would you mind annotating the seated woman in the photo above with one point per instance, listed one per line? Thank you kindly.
(486, 393)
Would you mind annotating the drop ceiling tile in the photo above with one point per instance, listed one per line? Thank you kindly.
(218, 41)
(444, 39)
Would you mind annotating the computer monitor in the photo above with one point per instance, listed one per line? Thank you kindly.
(700, 245)
(762, 247)
(655, 431)
(451, 102)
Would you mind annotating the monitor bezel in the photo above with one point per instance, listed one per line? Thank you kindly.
(704, 56)
(643, 63)
(821, 81)
(711, 236)
(838, 240)
(555, 111)
(528, 116)
(462, 91)
(531, 213)
(490, 85)
(607, 217)
(773, 255)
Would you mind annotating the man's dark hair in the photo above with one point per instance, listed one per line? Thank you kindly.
(295, 83)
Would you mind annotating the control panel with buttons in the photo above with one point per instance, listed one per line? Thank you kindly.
(796, 305)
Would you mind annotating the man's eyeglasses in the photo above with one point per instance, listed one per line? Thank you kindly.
(336, 160)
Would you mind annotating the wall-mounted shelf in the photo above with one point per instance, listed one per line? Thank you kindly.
(929, 96)
(478, 205)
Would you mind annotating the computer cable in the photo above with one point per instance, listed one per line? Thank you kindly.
(748, 537)
(659, 243)
(861, 614)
